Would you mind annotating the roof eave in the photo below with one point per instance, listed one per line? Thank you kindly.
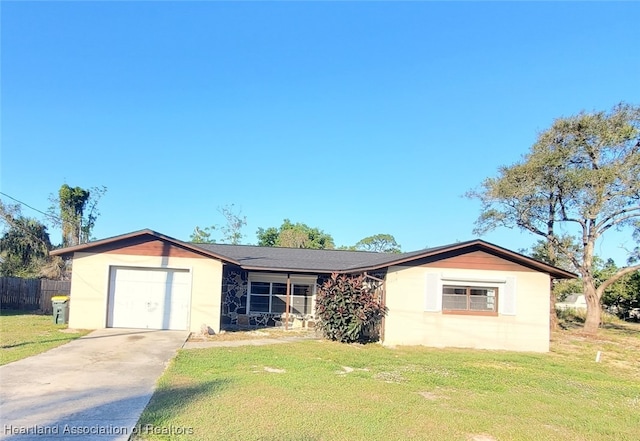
(555, 272)
(288, 270)
(68, 251)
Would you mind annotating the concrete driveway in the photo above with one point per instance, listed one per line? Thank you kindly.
(93, 388)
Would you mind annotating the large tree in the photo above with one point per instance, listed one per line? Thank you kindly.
(546, 251)
(619, 297)
(75, 210)
(24, 245)
(380, 243)
(296, 235)
(581, 178)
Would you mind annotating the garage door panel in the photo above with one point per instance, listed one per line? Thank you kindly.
(149, 298)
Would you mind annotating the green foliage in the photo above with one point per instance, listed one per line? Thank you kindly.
(547, 252)
(296, 235)
(544, 251)
(202, 235)
(380, 243)
(268, 237)
(579, 180)
(24, 246)
(77, 212)
(349, 309)
(72, 203)
(231, 231)
(620, 296)
(623, 295)
(562, 288)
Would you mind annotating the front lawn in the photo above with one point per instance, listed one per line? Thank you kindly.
(319, 390)
(23, 334)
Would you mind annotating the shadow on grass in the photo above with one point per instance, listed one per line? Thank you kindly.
(623, 328)
(12, 312)
(570, 325)
(169, 401)
(36, 342)
(626, 328)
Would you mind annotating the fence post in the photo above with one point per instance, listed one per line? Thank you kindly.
(31, 294)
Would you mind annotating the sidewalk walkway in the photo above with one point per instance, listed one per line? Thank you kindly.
(195, 344)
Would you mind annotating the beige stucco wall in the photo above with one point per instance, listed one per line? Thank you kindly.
(409, 324)
(90, 287)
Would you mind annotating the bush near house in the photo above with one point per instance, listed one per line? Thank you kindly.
(349, 309)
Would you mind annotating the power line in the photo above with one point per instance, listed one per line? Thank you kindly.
(34, 209)
(9, 219)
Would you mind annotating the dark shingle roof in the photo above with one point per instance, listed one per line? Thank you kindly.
(252, 257)
(299, 259)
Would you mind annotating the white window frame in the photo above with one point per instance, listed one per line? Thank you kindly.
(282, 278)
(506, 286)
(467, 286)
(473, 282)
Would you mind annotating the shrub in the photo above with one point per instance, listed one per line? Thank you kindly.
(572, 315)
(349, 309)
(578, 316)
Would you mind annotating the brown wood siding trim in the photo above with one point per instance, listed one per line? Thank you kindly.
(478, 260)
(141, 246)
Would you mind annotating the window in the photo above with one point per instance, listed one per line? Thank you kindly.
(469, 299)
(268, 294)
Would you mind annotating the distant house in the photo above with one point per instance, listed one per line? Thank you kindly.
(470, 294)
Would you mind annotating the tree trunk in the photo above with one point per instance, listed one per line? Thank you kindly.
(553, 317)
(592, 322)
(553, 260)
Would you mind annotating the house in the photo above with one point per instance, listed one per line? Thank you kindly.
(469, 294)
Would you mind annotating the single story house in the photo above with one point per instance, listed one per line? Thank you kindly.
(470, 294)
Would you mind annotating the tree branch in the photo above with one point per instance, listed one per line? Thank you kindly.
(566, 251)
(621, 272)
(603, 226)
(565, 217)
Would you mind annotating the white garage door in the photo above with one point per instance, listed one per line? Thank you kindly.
(149, 298)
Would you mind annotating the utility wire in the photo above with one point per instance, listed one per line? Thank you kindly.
(34, 209)
(11, 221)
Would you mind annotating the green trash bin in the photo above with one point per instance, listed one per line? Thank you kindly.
(60, 309)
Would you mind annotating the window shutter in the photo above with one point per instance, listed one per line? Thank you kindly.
(508, 297)
(433, 296)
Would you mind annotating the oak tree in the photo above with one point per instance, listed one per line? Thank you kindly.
(581, 178)
(296, 235)
(380, 243)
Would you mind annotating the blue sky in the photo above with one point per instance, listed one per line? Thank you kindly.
(355, 117)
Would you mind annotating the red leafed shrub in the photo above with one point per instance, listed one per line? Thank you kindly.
(348, 309)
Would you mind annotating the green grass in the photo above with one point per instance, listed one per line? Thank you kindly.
(329, 391)
(24, 334)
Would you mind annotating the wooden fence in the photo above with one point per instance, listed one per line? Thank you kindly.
(31, 294)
